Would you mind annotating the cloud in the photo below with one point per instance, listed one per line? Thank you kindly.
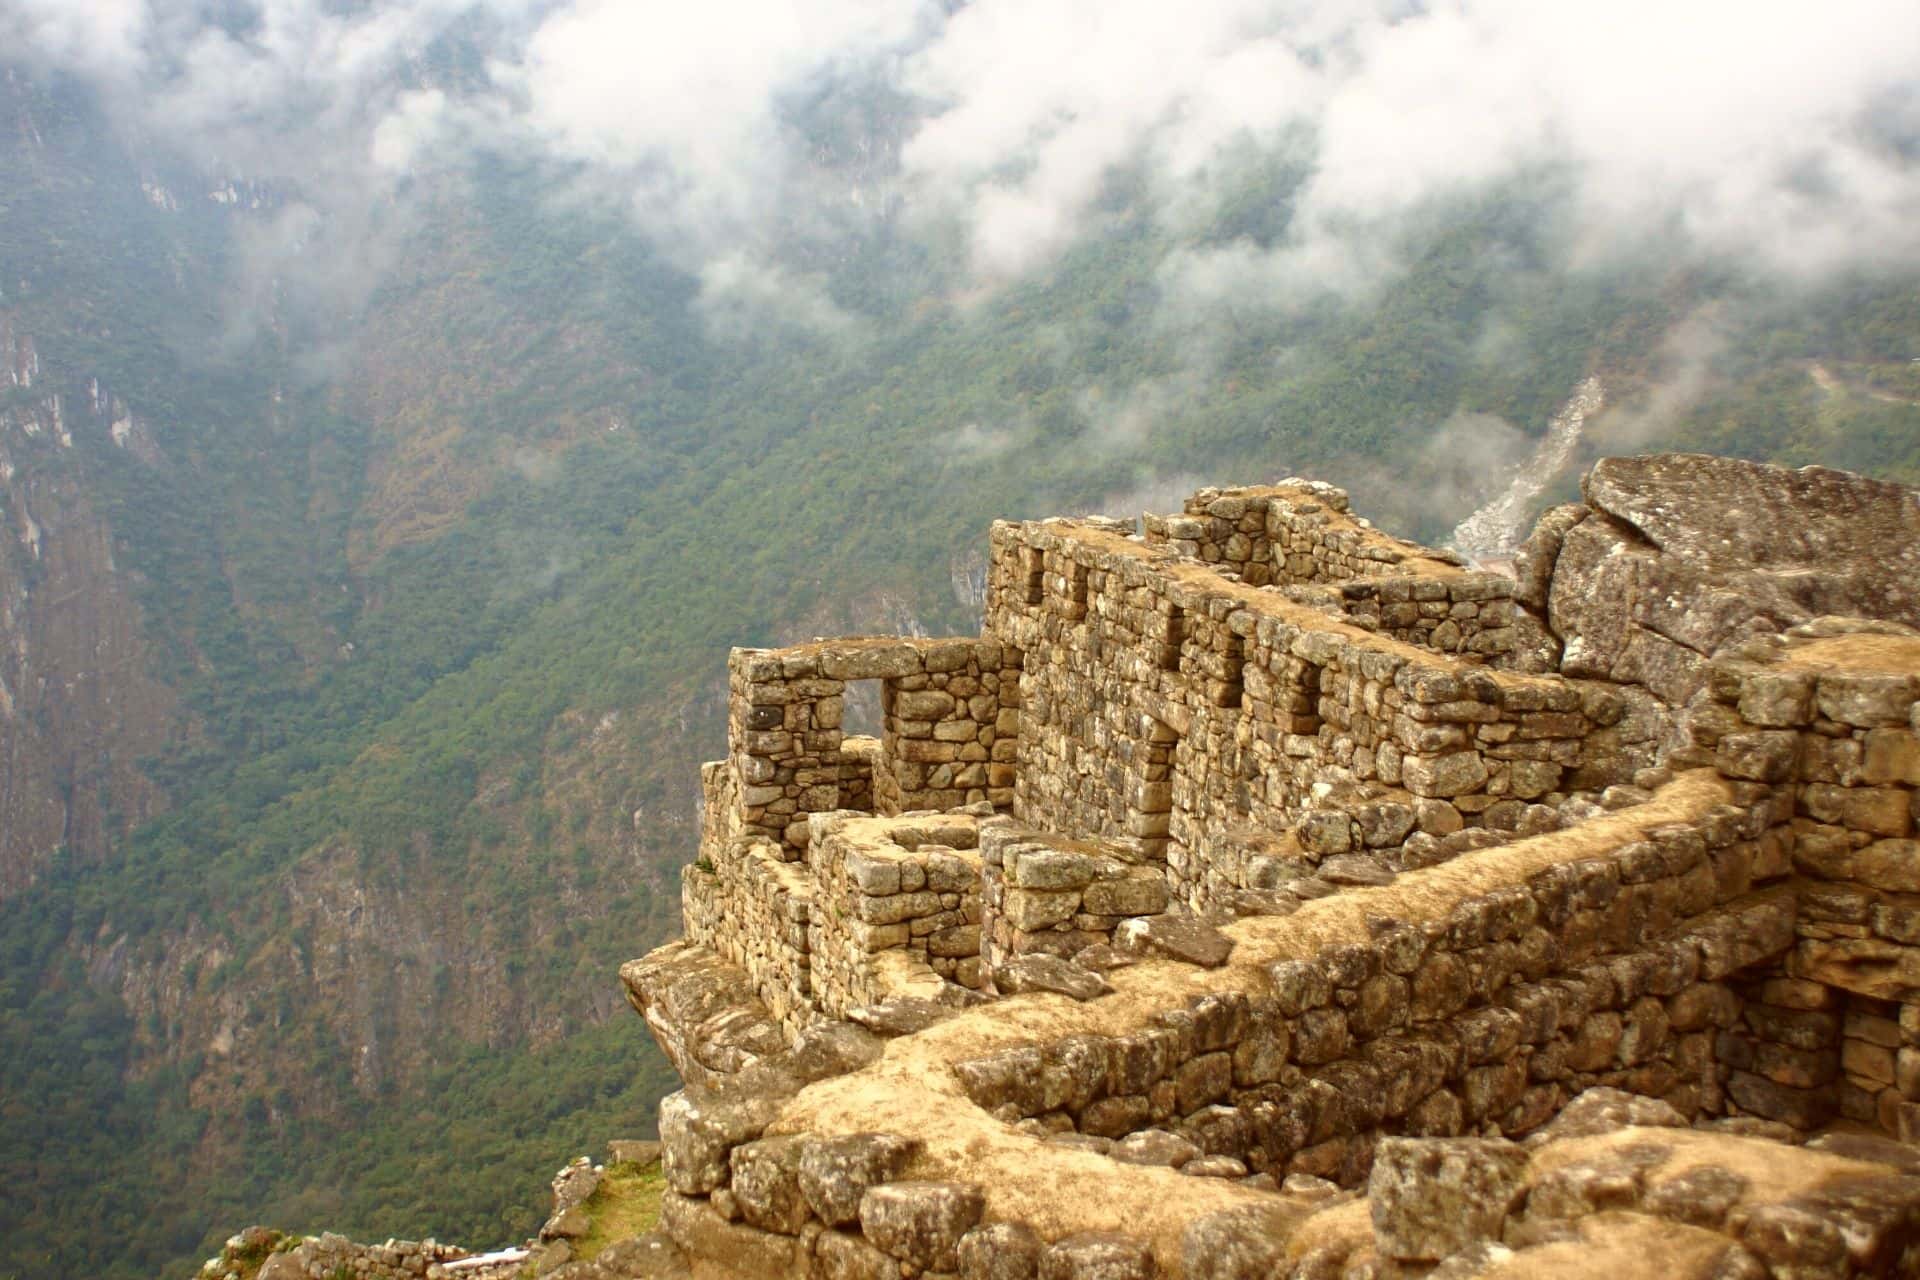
(682, 103)
(972, 442)
(1758, 129)
(741, 297)
(1787, 137)
(1685, 368)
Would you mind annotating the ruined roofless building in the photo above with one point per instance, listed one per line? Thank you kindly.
(1261, 896)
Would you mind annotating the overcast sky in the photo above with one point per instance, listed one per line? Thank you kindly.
(1783, 132)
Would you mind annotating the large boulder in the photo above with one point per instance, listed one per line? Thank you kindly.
(1683, 554)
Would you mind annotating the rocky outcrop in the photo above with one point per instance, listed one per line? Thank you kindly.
(79, 710)
(1679, 555)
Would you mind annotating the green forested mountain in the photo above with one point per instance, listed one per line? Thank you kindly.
(421, 585)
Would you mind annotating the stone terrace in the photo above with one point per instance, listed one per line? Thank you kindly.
(1255, 897)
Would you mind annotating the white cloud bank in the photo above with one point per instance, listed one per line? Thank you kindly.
(1785, 133)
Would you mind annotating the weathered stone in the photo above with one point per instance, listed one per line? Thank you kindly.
(1444, 776)
(1325, 833)
(766, 1182)
(1431, 1197)
(1350, 869)
(841, 1256)
(1777, 698)
(1156, 1147)
(702, 1233)
(652, 1256)
(698, 1130)
(836, 1172)
(1184, 938)
(901, 1016)
(921, 1222)
(1238, 1244)
(1097, 1255)
(1051, 974)
(1000, 1251)
(1052, 869)
(1132, 895)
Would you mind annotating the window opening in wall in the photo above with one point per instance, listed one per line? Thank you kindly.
(1176, 635)
(1036, 576)
(1236, 664)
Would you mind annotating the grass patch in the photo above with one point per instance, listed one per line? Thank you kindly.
(625, 1204)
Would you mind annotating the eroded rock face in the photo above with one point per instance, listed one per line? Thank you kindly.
(1682, 554)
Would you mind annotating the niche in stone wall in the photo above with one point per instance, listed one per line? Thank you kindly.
(1036, 575)
(1176, 634)
(1076, 590)
(1233, 675)
(1152, 799)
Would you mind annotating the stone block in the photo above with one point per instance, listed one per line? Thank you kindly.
(1879, 811)
(842, 1256)
(1183, 938)
(1097, 1255)
(873, 875)
(1143, 894)
(1050, 869)
(1000, 1251)
(921, 1222)
(696, 1228)
(1049, 974)
(1891, 756)
(1443, 776)
(1865, 700)
(1893, 865)
(698, 1131)
(1035, 909)
(1766, 755)
(835, 1173)
(766, 1183)
(1780, 699)
(1433, 1197)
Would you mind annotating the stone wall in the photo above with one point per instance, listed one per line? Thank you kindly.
(1829, 715)
(944, 705)
(1216, 1104)
(1047, 895)
(898, 909)
(1302, 533)
(1222, 705)
(1295, 531)
(1263, 873)
(1606, 969)
(754, 908)
(268, 1255)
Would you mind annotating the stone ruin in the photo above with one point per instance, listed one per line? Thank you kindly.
(1262, 896)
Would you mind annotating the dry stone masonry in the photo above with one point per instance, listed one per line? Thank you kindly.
(1261, 897)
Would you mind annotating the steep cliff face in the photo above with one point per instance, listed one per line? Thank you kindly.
(78, 709)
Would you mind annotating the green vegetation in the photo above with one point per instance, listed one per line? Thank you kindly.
(623, 497)
(626, 1204)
